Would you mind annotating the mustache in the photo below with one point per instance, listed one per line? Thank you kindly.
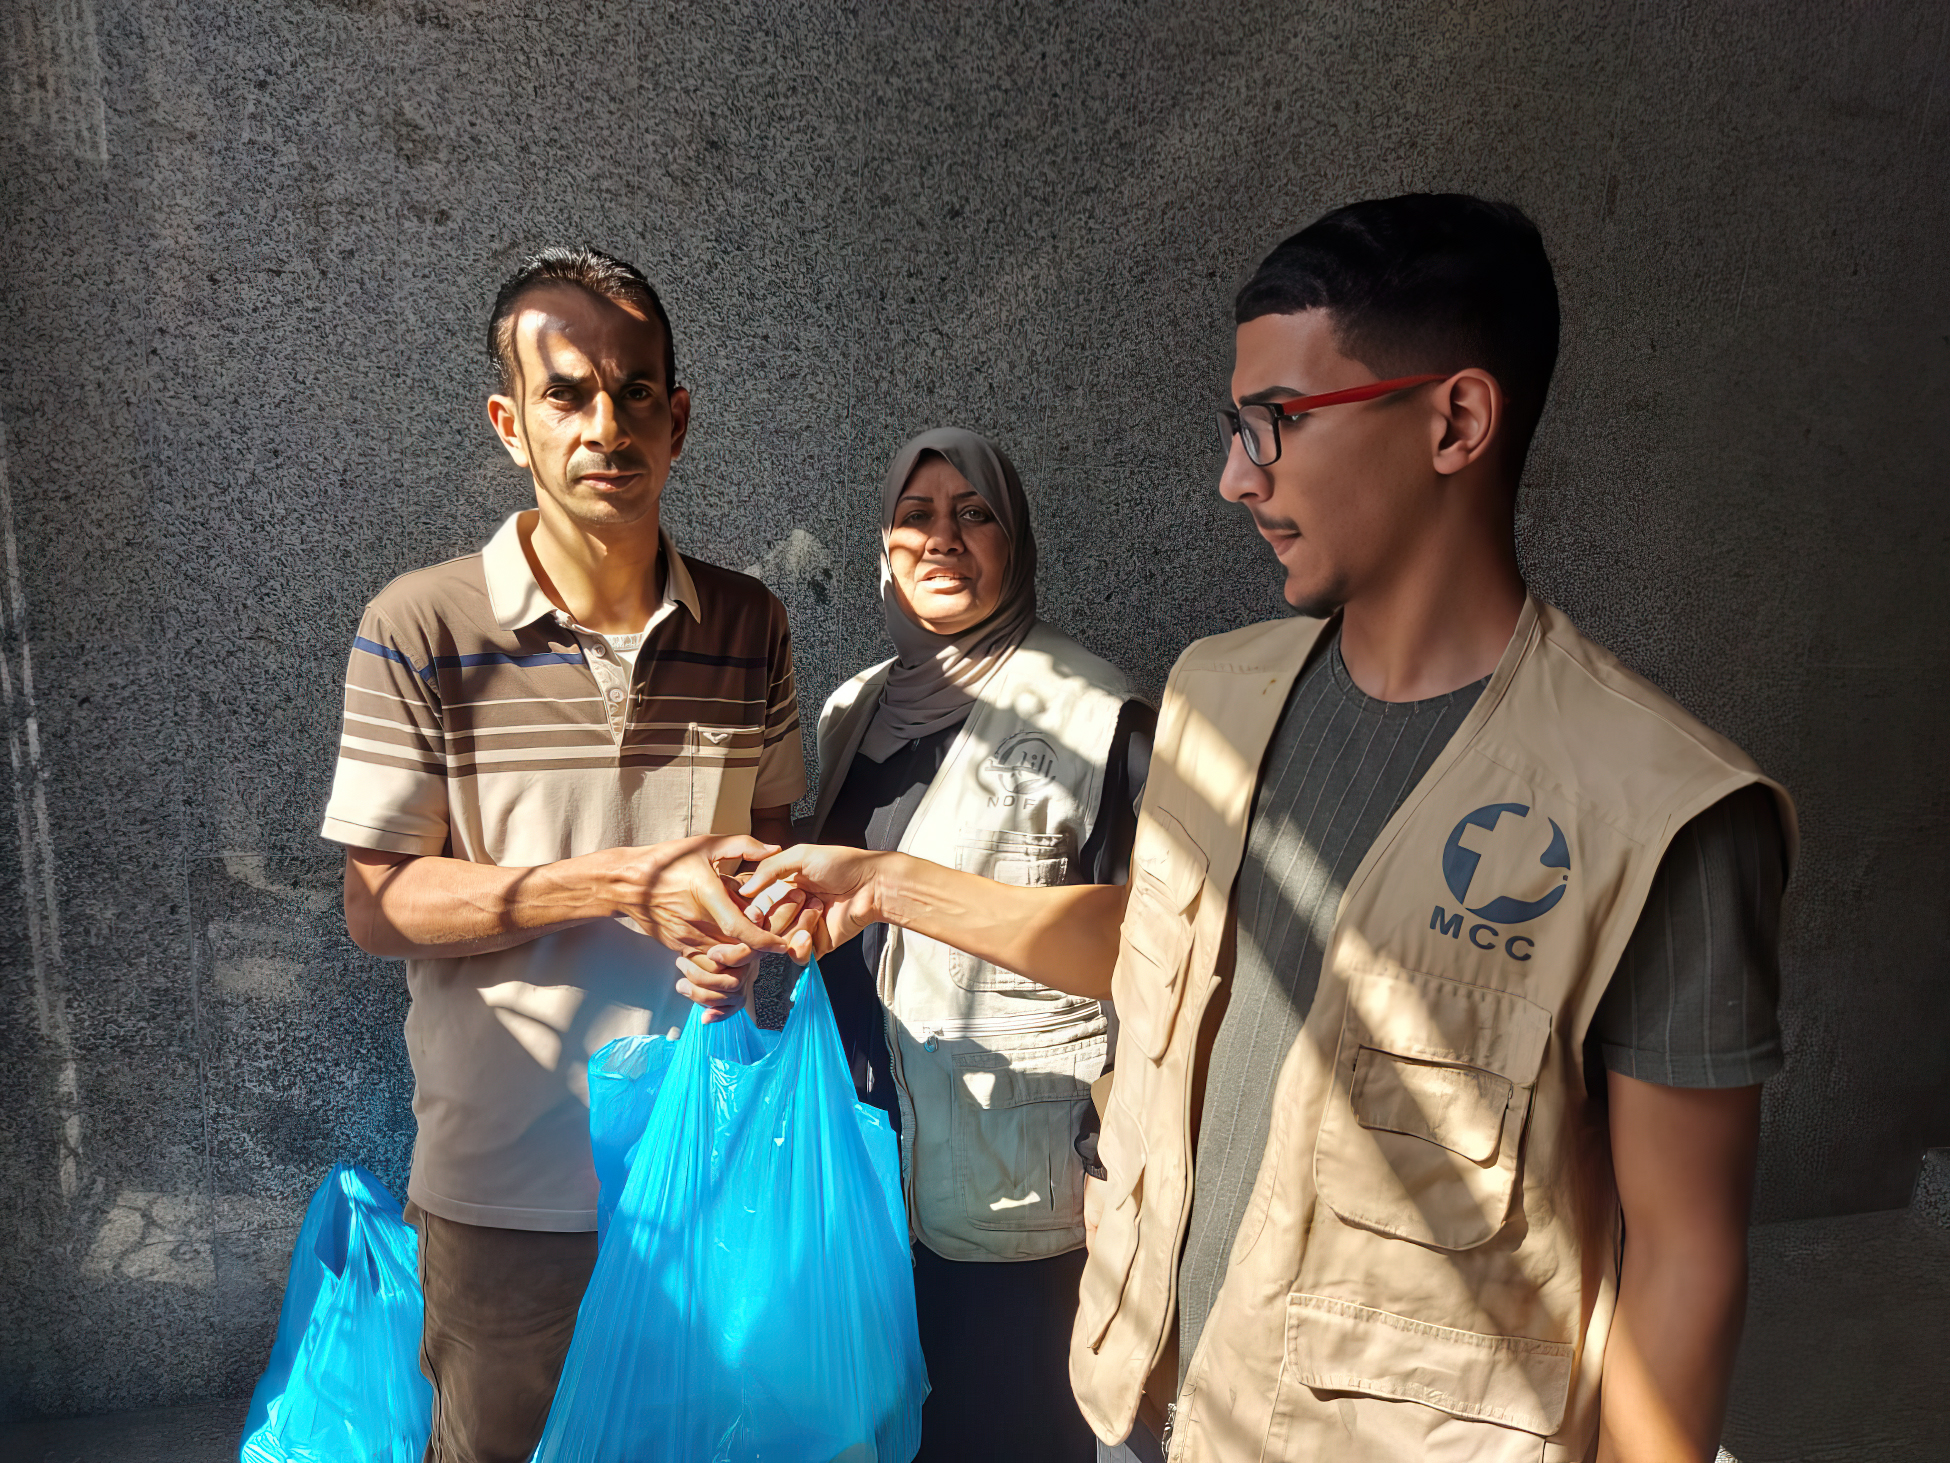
(584, 461)
(1267, 523)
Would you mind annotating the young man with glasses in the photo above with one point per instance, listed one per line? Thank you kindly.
(549, 748)
(1447, 968)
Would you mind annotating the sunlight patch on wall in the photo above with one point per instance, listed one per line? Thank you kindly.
(54, 76)
(153, 1237)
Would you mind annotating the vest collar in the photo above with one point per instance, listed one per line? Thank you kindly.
(1523, 640)
(850, 730)
(1286, 654)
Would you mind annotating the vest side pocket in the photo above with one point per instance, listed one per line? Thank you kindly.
(1013, 1129)
(1115, 1245)
(1423, 1134)
(1518, 1384)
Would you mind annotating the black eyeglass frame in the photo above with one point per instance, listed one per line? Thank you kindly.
(1276, 411)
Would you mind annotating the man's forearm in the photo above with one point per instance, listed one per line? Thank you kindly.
(1063, 937)
(1683, 1159)
(430, 907)
(433, 907)
(1670, 1356)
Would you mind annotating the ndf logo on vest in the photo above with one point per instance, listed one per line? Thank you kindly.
(1493, 858)
(1023, 763)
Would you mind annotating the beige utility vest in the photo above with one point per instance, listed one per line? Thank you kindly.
(1426, 1267)
(993, 1070)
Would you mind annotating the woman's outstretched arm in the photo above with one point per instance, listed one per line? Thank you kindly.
(1064, 937)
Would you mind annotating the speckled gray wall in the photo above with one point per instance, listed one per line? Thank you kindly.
(247, 253)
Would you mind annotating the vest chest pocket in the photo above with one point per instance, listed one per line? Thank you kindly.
(1014, 1128)
(1031, 860)
(1155, 949)
(1424, 1133)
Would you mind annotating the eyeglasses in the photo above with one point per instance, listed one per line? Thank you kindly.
(1258, 426)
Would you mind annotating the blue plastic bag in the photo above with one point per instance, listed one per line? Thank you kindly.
(753, 1297)
(343, 1384)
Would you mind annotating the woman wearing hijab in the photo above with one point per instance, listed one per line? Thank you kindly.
(991, 742)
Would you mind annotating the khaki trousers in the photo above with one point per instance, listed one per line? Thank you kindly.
(500, 1307)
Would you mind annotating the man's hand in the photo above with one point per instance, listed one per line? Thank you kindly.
(720, 978)
(1062, 936)
(432, 907)
(678, 892)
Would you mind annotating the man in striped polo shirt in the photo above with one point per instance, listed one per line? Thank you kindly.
(549, 748)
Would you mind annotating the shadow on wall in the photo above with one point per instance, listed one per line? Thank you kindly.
(176, 1270)
(1026, 218)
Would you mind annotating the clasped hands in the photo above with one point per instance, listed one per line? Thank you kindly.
(799, 901)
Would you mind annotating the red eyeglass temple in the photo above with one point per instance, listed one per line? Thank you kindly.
(1373, 389)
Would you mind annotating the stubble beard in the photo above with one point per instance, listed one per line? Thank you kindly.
(596, 511)
(1316, 603)
(1321, 604)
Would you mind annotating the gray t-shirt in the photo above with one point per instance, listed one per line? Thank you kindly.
(1692, 1003)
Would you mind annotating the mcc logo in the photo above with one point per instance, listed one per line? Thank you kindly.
(1494, 871)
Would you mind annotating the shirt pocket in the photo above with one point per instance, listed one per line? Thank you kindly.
(1028, 860)
(724, 772)
(1423, 1134)
(1013, 1130)
(1155, 945)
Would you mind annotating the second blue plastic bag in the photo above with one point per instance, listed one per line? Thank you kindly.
(343, 1384)
(753, 1300)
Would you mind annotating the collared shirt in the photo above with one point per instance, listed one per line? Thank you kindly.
(483, 723)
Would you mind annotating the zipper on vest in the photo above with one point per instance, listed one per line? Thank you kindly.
(933, 1032)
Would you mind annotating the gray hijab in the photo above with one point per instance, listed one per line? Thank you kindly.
(936, 678)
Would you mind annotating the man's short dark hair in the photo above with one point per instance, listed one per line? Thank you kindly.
(603, 275)
(1426, 282)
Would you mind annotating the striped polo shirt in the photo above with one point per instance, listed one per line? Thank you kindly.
(483, 723)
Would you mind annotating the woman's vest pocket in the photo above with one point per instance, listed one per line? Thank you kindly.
(1013, 1128)
(1423, 1133)
(1030, 860)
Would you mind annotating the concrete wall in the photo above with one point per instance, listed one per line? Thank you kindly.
(247, 253)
